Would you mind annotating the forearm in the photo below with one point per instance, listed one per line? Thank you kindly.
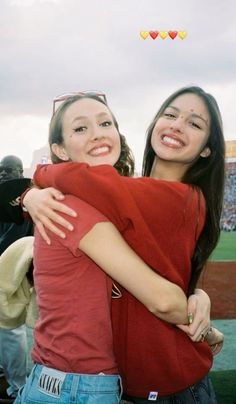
(94, 184)
(104, 245)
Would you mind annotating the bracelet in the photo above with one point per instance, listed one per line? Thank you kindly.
(209, 332)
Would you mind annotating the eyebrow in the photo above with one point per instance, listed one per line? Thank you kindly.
(85, 117)
(193, 114)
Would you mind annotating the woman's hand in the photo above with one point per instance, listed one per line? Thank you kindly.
(215, 339)
(199, 305)
(43, 205)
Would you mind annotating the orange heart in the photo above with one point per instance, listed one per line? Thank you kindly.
(182, 34)
(153, 34)
(144, 34)
(163, 34)
(172, 34)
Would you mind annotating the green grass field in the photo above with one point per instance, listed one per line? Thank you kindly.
(226, 248)
(224, 386)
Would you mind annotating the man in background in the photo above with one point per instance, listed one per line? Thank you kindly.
(13, 342)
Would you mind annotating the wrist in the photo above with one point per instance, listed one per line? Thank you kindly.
(22, 197)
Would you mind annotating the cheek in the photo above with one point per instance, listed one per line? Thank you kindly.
(116, 140)
(119, 145)
(200, 143)
(154, 136)
(74, 147)
(157, 128)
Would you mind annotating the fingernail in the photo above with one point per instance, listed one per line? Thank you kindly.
(62, 235)
(70, 227)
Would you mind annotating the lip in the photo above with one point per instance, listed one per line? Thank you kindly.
(100, 150)
(172, 141)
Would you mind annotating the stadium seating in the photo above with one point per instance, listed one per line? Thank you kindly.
(228, 219)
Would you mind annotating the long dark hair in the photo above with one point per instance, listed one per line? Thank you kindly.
(125, 163)
(207, 174)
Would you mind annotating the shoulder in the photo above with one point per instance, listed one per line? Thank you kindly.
(85, 210)
(159, 185)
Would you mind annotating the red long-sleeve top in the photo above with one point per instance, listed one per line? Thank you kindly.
(161, 220)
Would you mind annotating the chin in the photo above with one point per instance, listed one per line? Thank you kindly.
(103, 160)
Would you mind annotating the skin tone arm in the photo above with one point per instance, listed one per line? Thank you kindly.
(45, 206)
(164, 299)
(105, 245)
(161, 297)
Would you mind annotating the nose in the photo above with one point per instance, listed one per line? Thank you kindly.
(3, 172)
(177, 124)
(96, 133)
(4, 175)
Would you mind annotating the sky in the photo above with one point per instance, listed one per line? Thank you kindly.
(50, 47)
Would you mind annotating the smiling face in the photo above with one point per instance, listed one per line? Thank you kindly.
(180, 134)
(89, 134)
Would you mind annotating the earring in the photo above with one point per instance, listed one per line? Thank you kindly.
(206, 152)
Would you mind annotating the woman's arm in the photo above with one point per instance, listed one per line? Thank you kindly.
(104, 245)
(45, 207)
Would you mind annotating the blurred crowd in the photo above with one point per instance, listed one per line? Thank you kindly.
(228, 219)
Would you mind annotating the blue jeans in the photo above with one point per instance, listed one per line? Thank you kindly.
(47, 385)
(13, 357)
(200, 393)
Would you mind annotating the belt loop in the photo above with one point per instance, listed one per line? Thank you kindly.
(74, 387)
(121, 386)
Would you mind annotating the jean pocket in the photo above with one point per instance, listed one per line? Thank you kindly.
(203, 391)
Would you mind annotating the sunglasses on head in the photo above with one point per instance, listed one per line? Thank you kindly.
(64, 97)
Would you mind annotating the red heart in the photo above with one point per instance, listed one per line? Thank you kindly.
(153, 34)
(172, 34)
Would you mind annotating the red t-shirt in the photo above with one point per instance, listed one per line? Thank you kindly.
(73, 332)
(161, 220)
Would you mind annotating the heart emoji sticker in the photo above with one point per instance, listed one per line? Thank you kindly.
(172, 34)
(153, 34)
(144, 34)
(182, 34)
(163, 34)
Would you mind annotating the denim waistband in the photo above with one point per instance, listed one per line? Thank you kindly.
(84, 382)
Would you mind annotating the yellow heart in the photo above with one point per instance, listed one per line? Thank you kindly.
(182, 34)
(163, 34)
(144, 34)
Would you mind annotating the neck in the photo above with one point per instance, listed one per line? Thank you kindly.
(166, 170)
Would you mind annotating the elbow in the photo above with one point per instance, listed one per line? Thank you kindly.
(171, 310)
(163, 307)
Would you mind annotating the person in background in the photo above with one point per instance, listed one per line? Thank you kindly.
(13, 342)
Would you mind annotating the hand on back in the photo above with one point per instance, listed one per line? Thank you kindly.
(44, 207)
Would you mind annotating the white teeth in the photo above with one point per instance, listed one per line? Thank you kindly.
(99, 150)
(171, 140)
